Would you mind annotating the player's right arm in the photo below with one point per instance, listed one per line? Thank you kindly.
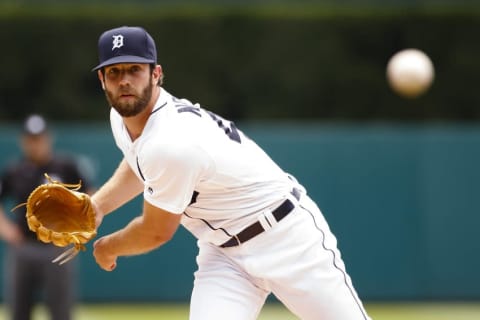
(9, 231)
(122, 187)
(144, 233)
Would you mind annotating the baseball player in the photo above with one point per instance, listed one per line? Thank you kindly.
(258, 231)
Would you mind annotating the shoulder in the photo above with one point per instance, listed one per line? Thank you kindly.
(176, 150)
(64, 159)
(115, 119)
(66, 164)
(72, 168)
(181, 156)
(15, 166)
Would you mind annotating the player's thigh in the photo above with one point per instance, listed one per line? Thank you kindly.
(222, 290)
(59, 283)
(20, 273)
(316, 282)
(340, 303)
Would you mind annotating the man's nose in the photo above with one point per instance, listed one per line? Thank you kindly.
(124, 78)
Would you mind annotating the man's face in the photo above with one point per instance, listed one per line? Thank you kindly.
(128, 87)
(37, 148)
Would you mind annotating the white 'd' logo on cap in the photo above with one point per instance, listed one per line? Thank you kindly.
(117, 41)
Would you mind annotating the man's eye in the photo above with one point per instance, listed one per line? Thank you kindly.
(112, 73)
(135, 69)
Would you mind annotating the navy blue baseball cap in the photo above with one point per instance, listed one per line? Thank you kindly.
(125, 45)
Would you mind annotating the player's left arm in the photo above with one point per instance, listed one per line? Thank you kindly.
(122, 187)
(149, 231)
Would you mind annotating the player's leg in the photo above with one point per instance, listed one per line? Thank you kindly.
(304, 269)
(327, 286)
(59, 285)
(222, 290)
(21, 282)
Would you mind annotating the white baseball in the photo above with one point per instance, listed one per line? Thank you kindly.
(410, 73)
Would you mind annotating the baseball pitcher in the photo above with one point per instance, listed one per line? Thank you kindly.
(258, 230)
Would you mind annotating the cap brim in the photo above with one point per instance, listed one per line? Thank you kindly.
(123, 59)
(34, 134)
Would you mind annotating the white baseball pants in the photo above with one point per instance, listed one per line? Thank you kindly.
(296, 259)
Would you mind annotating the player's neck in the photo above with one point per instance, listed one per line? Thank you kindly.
(40, 160)
(136, 124)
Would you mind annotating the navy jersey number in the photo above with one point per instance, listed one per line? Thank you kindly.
(227, 126)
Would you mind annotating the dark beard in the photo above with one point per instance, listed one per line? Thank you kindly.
(131, 109)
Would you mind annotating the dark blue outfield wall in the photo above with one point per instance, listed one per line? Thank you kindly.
(402, 200)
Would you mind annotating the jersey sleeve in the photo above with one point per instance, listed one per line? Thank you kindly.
(171, 172)
(5, 179)
(76, 171)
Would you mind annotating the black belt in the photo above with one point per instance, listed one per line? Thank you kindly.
(255, 229)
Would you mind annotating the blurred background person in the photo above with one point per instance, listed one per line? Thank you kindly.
(30, 276)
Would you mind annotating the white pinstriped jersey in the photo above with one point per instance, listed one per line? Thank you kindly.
(194, 162)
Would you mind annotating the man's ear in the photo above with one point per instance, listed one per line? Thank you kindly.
(158, 73)
(101, 78)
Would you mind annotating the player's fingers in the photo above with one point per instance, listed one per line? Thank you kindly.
(107, 265)
(105, 261)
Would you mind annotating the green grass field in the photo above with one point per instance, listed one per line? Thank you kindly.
(378, 311)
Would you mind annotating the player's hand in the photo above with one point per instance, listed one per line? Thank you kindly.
(11, 234)
(104, 259)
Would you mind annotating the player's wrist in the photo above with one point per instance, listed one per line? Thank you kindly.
(99, 214)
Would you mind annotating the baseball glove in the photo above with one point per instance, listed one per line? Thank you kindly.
(60, 214)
